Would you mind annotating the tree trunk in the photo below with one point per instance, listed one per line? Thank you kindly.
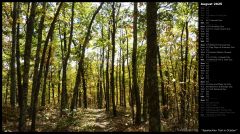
(163, 94)
(45, 78)
(183, 91)
(151, 61)
(80, 70)
(7, 85)
(118, 79)
(37, 56)
(27, 56)
(13, 53)
(145, 95)
(50, 33)
(59, 84)
(107, 74)
(134, 67)
(123, 82)
(185, 75)
(113, 51)
(131, 97)
(19, 76)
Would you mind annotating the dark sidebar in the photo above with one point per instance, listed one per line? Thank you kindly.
(219, 40)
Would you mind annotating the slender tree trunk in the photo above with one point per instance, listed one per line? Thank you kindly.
(53, 85)
(185, 75)
(113, 55)
(107, 74)
(123, 81)
(118, 79)
(37, 56)
(45, 78)
(50, 33)
(64, 95)
(182, 97)
(131, 97)
(145, 95)
(27, 56)
(59, 85)
(13, 56)
(163, 94)
(134, 67)
(151, 61)
(80, 70)
(49, 90)
(102, 76)
(7, 85)
(19, 76)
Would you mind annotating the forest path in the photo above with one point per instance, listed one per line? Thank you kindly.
(97, 120)
(82, 120)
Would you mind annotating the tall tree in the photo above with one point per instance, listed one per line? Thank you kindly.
(123, 80)
(43, 102)
(151, 62)
(66, 54)
(184, 75)
(37, 56)
(135, 87)
(182, 97)
(80, 70)
(12, 65)
(19, 76)
(50, 33)
(163, 94)
(27, 56)
(107, 73)
(74, 99)
(113, 54)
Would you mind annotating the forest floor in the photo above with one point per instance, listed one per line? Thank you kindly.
(88, 120)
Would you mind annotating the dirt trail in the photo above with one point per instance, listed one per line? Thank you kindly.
(97, 120)
(82, 120)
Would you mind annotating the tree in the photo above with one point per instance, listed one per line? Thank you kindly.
(27, 54)
(183, 91)
(151, 62)
(162, 84)
(80, 70)
(12, 70)
(66, 54)
(43, 103)
(113, 54)
(50, 33)
(107, 74)
(37, 56)
(135, 87)
(131, 96)
(19, 76)
(123, 76)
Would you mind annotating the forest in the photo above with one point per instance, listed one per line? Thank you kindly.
(99, 66)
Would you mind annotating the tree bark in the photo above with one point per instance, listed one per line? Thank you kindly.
(13, 56)
(19, 76)
(134, 67)
(113, 54)
(163, 94)
(43, 103)
(182, 92)
(151, 61)
(27, 56)
(107, 74)
(37, 56)
(50, 33)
